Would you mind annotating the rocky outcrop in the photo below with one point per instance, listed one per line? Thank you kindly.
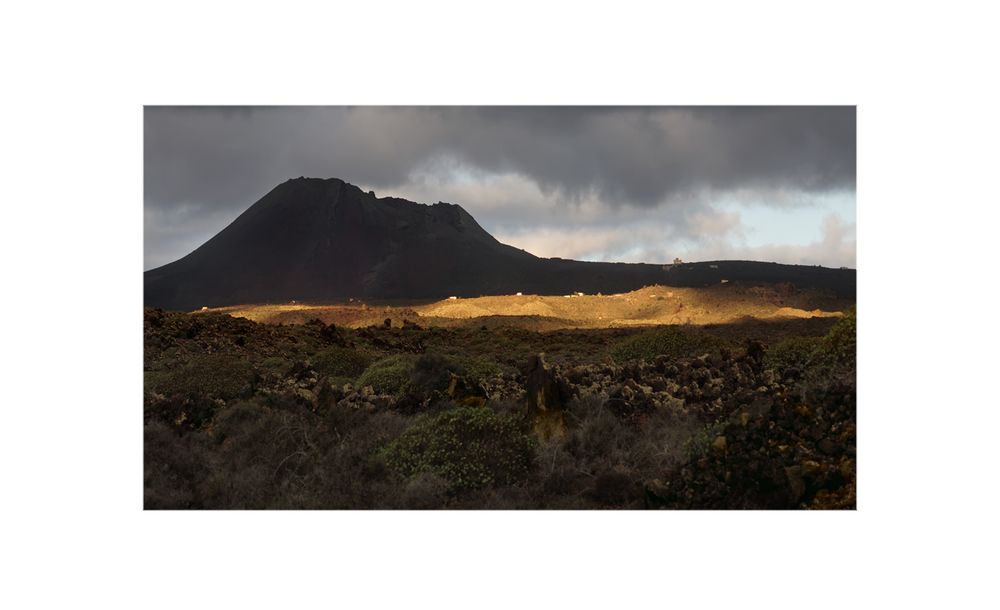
(546, 394)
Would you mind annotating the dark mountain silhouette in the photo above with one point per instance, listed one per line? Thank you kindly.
(313, 240)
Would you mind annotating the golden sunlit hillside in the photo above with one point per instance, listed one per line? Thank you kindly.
(652, 305)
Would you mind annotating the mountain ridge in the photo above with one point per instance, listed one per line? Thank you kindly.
(326, 240)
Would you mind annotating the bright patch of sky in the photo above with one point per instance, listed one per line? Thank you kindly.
(765, 224)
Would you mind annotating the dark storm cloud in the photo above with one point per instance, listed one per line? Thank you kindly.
(215, 162)
(645, 156)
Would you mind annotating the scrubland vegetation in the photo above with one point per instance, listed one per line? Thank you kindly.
(239, 414)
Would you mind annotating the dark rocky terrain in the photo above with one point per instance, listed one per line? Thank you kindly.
(241, 414)
(316, 240)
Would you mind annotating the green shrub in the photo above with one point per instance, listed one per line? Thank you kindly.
(218, 375)
(154, 381)
(388, 375)
(478, 370)
(842, 340)
(702, 438)
(244, 426)
(340, 362)
(173, 467)
(793, 352)
(470, 447)
(663, 340)
(432, 372)
(277, 365)
(339, 382)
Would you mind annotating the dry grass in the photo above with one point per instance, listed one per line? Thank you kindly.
(652, 305)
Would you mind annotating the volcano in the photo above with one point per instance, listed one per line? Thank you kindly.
(325, 240)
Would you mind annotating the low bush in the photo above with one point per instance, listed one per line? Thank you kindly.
(594, 431)
(613, 488)
(702, 438)
(217, 375)
(182, 413)
(432, 373)
(340, 362)
(470, 447)
(388, 375)
(664, 340)
(173, 467)
(794, 352)
(425, 490)
(276, 365)
(480, 370)
(243, 424)
(842, 340)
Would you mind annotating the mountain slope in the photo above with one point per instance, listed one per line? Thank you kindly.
(326, 240)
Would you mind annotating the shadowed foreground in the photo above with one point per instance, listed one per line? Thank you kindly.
(238, 414)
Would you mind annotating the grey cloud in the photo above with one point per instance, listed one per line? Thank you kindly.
(632, 155)
(214, 162)
(638, 156)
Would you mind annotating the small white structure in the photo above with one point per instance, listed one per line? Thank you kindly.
(678, 261)
(725, 281)
(452, 298)
(519, 294)
(204, 308)
(579, 294)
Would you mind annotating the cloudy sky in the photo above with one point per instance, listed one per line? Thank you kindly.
(605, 184)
